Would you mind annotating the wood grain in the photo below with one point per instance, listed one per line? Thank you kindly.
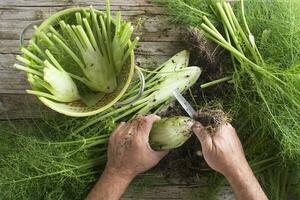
(21, 106)
(174, 192)
(143, 48)
(146, 185)
(63, 3)
(149, 28)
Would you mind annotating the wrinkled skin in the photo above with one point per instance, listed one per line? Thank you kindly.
(129, 152)
(224, 153)
(222, 150)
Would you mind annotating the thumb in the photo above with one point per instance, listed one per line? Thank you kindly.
(201, 133)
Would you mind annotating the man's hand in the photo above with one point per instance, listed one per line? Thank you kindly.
(224, 153)
(129, 154)
(222, 150)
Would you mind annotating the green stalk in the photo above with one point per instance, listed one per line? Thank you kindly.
(84, 38)
(73, 31)
(78, 78)
(90, 34)
(78, 18)
(136, 108)
(84, 140)
(42, 83)
(239, 56)
(108, 21)
(129, 50)
(199, 12)
(230, 29)
(118, 22)
(126, 33)
(53, 60)
(215, 82)
(31, 55)
(106, 41)
(23, 60)
(255, 53)
(42, 94)
(29, 70)
(55, 32)
(99, 118)
(99, 34)
(44, 37)
(37, 48)
(69, 51)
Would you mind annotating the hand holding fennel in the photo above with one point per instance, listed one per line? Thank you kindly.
(129, 154)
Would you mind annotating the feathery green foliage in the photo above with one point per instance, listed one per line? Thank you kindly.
(259, 79)
(39, 163)
(263, 40)
(275, 26)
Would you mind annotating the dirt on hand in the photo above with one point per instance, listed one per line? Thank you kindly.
(212, 119)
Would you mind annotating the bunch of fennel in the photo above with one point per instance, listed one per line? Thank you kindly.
(260, 79)
(262, 38)
(61, 158)
(82, 54)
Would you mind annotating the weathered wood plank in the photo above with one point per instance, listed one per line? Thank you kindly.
(173, 192)
(155, 28)
(36, 13)
(21, 106)
(50, 3)
(143, 48)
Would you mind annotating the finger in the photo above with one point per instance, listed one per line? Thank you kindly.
(152, 118)
(116, 132)
(146, 125)
(199, 130)
(119, 127)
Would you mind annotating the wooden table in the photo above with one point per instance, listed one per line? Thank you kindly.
(159, 41)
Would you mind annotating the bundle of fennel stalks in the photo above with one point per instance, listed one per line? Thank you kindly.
(263, 42)
(79, 57)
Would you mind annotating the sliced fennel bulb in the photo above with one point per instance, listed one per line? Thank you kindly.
(181, 80)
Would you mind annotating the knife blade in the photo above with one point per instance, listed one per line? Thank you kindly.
(184, 103)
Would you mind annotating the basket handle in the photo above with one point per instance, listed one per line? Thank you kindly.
(38, 22)
(141, 90)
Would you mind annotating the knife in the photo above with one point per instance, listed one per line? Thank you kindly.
(184, 103)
